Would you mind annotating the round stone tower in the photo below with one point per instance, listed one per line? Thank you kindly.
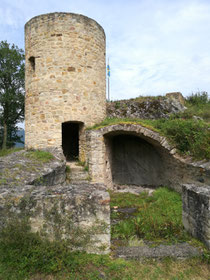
(65, 80)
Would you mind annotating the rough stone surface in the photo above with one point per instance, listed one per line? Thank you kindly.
(147, 107)
(19, 169)
(175, 251)
(196, 211)
(65, 76)
(78, 213)
(77, 173)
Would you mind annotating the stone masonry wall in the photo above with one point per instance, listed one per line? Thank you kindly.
(80, 214)
(65, 76)
(195, 213)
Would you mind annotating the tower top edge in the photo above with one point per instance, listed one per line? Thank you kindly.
(56, 15)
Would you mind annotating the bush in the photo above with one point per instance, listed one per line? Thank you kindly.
(198, 98)
(190, 137)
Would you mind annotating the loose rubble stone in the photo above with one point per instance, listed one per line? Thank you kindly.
(147, 108)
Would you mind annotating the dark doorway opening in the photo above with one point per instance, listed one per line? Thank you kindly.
(70, 140)
(134, 161)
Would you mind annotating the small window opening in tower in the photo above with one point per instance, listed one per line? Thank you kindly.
(32, 62)
(70, 140)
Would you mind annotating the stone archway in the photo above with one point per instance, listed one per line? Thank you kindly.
(149, 155)
(166, 166)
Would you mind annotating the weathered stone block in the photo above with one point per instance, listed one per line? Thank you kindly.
(80, 214)
(196, 211)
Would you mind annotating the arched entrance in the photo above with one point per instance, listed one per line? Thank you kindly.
(134, 161)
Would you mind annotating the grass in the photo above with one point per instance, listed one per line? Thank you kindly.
(157, 218)
(83, 164)
(198, 105)
(6, 152)
(39, 155)
(111, 121)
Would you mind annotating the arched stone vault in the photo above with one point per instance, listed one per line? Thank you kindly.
(167, 167)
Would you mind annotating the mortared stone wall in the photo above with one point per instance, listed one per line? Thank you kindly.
(65, 76)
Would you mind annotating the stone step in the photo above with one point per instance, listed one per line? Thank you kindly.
(78, 176)
(77, 173)
(183, 250)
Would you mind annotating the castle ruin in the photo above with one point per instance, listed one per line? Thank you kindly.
(66, 94)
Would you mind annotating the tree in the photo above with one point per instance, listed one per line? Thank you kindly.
(12, 92)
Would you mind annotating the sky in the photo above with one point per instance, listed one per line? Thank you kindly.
(154, 46)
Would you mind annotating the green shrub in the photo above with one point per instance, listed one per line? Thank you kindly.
(198, 98)
(189, 136)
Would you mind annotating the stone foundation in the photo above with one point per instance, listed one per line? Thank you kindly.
(196, 211)
(80, 214)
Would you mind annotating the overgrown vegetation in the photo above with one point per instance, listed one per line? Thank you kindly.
(83, 164)
(198, 105)
(157, 217)
(190, 137)
(24, 255)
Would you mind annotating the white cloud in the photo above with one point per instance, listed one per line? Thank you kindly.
(155, 46)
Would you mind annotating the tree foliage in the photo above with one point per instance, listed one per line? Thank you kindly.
(11, 92)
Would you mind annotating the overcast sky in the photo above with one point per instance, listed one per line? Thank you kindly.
(154, 46)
